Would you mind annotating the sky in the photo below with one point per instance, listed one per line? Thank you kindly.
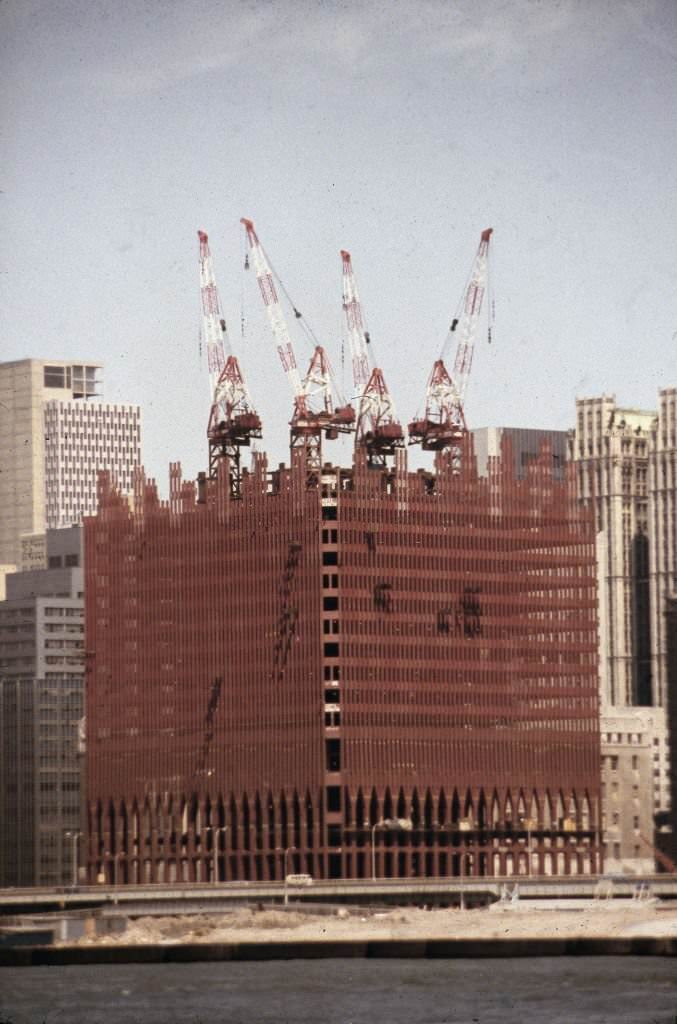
(396, 130)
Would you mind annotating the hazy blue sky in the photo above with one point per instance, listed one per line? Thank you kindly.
(396, 130)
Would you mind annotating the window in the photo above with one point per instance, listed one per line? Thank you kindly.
(333, 798)
(333, 755)
(55, 377)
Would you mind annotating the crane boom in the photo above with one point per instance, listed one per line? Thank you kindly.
(443, 424)
(214, 326)
(273, 308)
(357, 335)
(472, 307)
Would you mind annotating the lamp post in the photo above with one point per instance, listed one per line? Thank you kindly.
(216, 830)
(528, 824)
(114, 858)
(464, 825)
(393, 825)
(74, 836)
(284, 867)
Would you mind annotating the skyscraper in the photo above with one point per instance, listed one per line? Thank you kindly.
(278, 677)
(56, 436)
(663, 538)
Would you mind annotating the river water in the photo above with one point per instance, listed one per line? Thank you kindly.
(555, 990)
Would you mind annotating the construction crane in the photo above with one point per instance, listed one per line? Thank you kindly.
(443, 424)
(233, 421)
(378, 430)
(316, 411)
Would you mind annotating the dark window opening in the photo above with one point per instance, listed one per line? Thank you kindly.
(333, 798)
(333, 752)
(331, 650)
(55, 377)
(334, 835)
(330, 604)
(330, 558)
(329, 512)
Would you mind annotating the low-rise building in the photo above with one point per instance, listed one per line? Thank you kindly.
(631, 786)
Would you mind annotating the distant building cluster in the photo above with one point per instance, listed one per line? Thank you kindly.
(471, 671)
(56, 436)
(626, 466)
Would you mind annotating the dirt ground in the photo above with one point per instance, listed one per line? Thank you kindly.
(599, 919)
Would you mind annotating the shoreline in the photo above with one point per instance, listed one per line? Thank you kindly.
(259, 933)
(34, 956)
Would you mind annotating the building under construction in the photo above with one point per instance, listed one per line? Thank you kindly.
(342, 672)
(391, 673)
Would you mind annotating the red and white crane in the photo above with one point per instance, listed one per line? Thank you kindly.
(233, 421)
(378, 429)
(316, 409)
(443, 424)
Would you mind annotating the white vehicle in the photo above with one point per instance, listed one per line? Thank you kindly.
(298, 880)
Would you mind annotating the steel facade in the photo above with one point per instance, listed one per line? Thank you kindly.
(393, 673)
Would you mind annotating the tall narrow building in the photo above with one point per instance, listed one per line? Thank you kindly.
(611, 448)
(663, 539)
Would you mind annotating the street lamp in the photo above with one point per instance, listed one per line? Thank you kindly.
(114, 857)
(464, 825)
(216, 830)
(393, 825)
(74, 836)
(528, 824)
(284, 867)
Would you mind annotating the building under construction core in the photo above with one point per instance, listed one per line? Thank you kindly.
(389, 673)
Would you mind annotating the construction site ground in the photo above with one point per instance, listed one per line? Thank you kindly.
(535, 919)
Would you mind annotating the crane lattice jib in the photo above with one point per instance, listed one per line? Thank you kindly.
(356, 331)
(470, 314)
(274, 310)
(214, 325)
